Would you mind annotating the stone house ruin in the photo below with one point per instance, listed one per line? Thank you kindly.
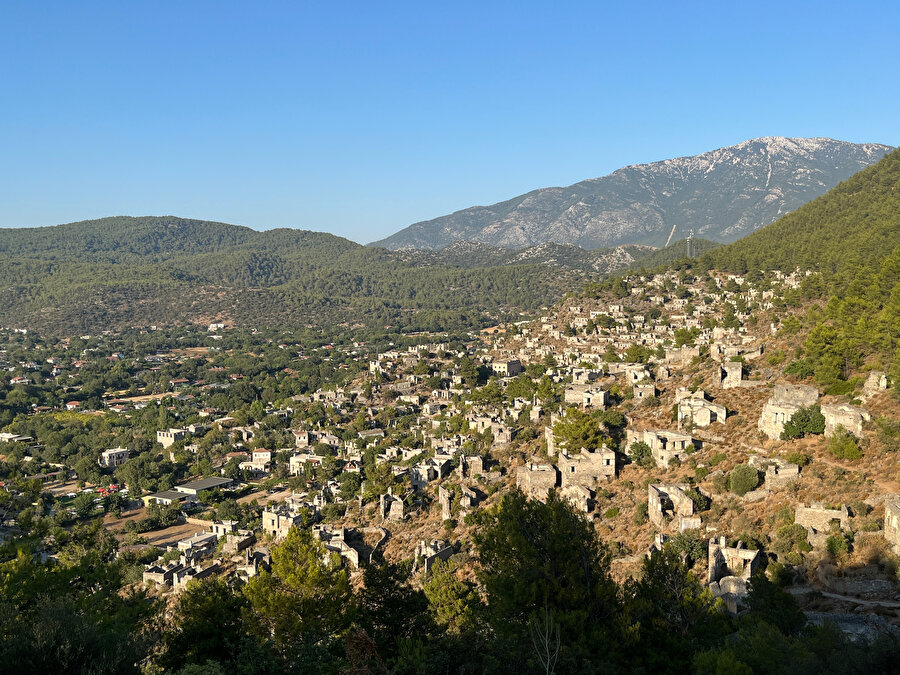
(892, 521)
(821, 521)
(875, 382)
(470, 467)
(664, 445)
(579, 496)
(536, 480)
(390, 507)
(730, 567)
(467, 499)
(696, 409)
(785, 401)
(278, 519)
(778, 473)
(847, 416)
(427, 552)
(669, 505)
(730, 374)
(587, 396)
(588, 467)
(643, 391)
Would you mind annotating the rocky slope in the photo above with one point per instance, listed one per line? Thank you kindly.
(468, 254)
(722, 195)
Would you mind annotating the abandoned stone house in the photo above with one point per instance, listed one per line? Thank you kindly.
(664, 445)
(778, 472)
(875, 382)
(730, 374)
(390, 507)
(470, 466)
(636, 372)
(428, 552)
(682, 355)
(643, 391)
(849, 417)
(729, 569)
(670, 506)
(588, 467)
(536, 480)
(466, 499)
(587, 396)
(786, 399)
(585, 375)
(507, 368)
(731, 561)
(334, 539)
(501, 433)
(696, 409)
(579, 496)
(820, 521)
(278, 519)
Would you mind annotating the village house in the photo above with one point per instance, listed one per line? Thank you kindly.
(669, 504)
(588, 467)
(110, 459)
(693, 407)
(664, 445)
(536, 480)
(784, 402)
(169, 437)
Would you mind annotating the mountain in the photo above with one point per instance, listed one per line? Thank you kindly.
(123, 271)
(468, 254)
(722, 195)
(850, 239)
(855, 225)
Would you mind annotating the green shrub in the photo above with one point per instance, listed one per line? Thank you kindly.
(843, 445)
(801, 368)
(611, 513)
(798, 458)
(742, 479)
(791, 539)
(640, 513)
(806, 421)
(836, 545)
(641, 455)
(776, 358)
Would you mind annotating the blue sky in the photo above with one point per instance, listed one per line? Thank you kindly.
(361, 118)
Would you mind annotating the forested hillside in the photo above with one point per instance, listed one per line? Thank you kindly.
(141, 271)
(851, 238)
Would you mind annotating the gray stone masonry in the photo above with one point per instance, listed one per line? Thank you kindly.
(785, 401)
(536, 480)
(892, 521)
(588, 467)
(667, 502)
(818, 519)
(847, 416)
(730, 374)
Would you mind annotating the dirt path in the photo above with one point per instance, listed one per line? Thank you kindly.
(803, 590)
(264, 497)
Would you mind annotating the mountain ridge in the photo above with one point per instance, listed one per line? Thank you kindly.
(722, 194)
